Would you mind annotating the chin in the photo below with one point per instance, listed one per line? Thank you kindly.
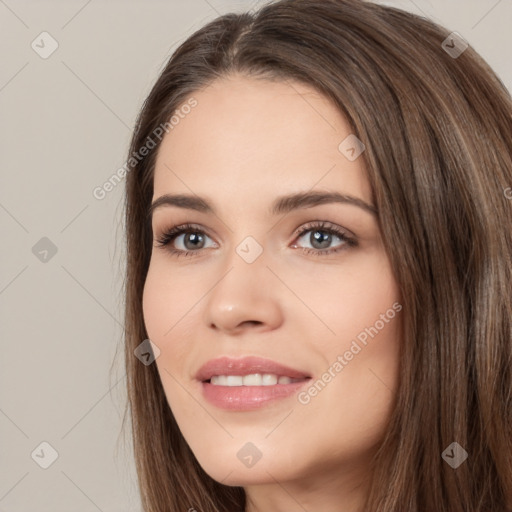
(241, 463)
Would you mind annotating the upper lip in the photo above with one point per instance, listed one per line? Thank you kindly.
(246, 366)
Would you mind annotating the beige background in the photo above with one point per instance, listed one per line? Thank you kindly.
(66, 124)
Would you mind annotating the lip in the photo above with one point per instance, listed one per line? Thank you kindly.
(246, 398)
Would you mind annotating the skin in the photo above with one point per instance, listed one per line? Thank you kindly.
(247, 142)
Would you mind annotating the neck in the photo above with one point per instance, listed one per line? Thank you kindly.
(328, 491)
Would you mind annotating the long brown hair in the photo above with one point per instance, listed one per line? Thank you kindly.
(438, 134)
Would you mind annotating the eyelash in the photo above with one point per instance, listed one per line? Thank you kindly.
(170, 235)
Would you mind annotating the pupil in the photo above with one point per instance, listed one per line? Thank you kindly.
(194, 238)
(324, 240)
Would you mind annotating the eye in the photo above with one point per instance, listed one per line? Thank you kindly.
(321, 235)
(190, 237)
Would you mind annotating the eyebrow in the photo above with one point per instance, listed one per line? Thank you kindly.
(281, 205)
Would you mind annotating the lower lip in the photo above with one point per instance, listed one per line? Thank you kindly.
(245, 398)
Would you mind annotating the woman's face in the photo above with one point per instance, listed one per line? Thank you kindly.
(303, 283)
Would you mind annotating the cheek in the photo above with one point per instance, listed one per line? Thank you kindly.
(166, 300)
(353, 399)
(170, 304)
(154, 299)
(359, 344)
(165, 303)
(346, 300)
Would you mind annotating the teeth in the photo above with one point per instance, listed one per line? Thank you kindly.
(253, 379)
(269, 379)
(234, 380)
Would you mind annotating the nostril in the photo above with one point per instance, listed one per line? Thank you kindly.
(252, 322)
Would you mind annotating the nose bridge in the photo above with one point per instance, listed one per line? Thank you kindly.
(244, 294)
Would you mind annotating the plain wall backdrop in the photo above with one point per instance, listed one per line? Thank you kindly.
(66, 121)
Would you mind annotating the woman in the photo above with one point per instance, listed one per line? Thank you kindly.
(319, 249)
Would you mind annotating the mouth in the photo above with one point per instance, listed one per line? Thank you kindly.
(248, 383)
(252, 379)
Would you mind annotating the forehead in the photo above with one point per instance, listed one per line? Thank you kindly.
(245, 134)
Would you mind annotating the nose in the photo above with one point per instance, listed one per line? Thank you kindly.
(247, 297)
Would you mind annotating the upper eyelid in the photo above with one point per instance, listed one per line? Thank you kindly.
(184, 226)
(321, 225)
(190, 226)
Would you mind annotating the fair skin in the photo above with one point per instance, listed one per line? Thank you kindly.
(246, 143)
